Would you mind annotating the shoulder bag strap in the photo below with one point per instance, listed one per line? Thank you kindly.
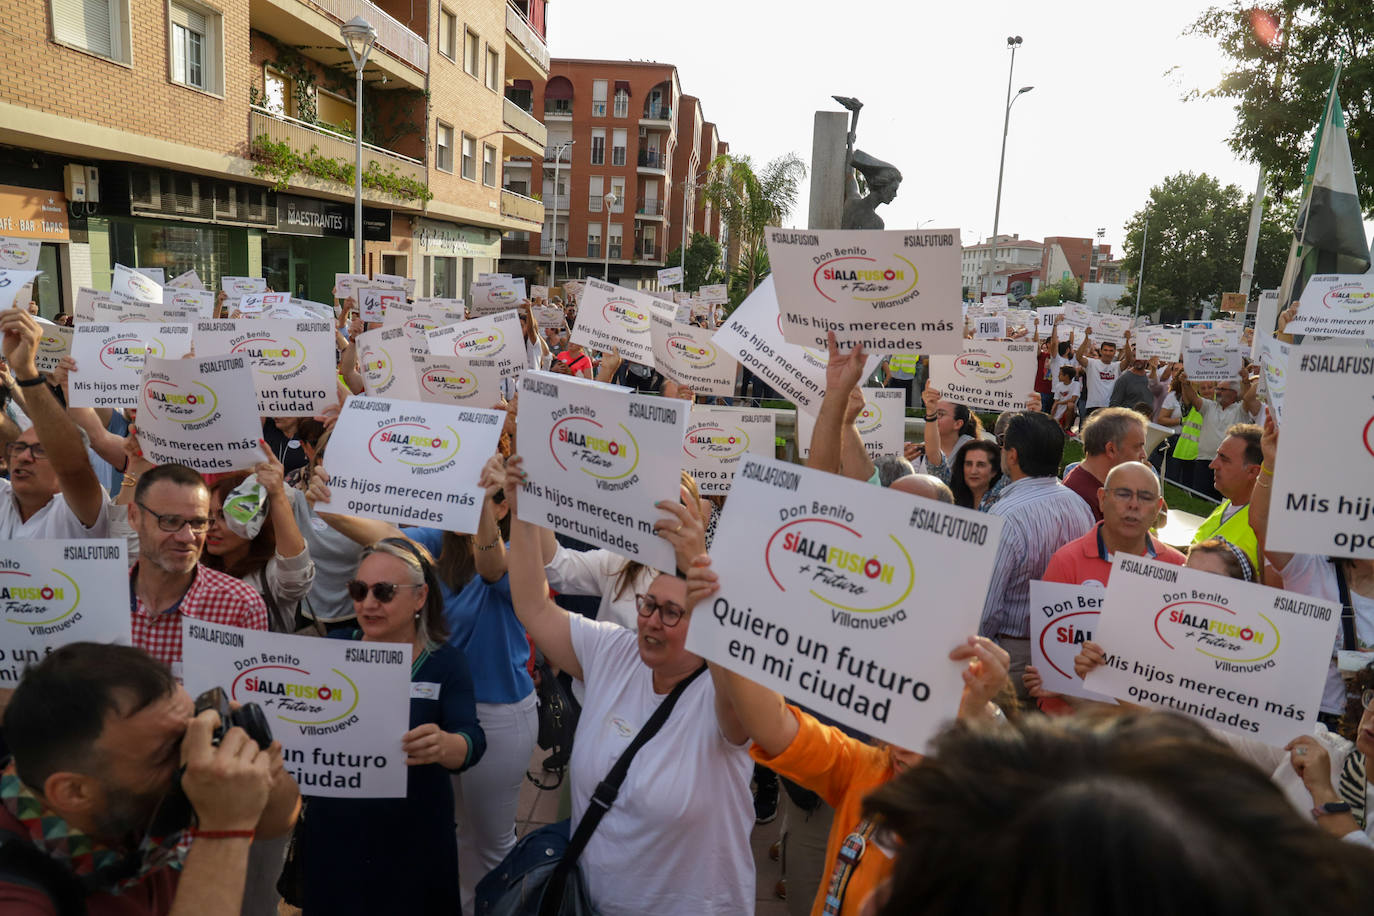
(1347, 606)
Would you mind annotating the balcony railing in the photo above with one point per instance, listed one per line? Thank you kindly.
(650, 208)
(557, 201)
(523, 121)
(593, 249)
(549, 246)
(652, 159)
(647, 253)
(300, 136)
(613, 251)
(529, 39)
(658, 113)
(551, 153)
(391, 35)
(558, 108)
(521, 207)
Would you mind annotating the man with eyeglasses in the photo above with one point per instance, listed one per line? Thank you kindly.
(171, 514)
(52, 491)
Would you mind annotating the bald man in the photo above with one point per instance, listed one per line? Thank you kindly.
(1130, 502)
(926, 485)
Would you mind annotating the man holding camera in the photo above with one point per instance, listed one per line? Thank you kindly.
(104, 744)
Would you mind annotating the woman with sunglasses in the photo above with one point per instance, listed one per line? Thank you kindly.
(676, 841)
(400, 855)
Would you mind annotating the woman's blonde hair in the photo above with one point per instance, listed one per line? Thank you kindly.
(429, 622)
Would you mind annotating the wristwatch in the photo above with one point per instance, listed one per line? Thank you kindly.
(1330, 808)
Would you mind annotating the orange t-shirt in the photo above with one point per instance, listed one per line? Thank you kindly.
(841, 770)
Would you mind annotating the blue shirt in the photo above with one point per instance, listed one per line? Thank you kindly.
(482, 624)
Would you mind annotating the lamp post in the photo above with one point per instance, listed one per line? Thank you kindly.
(1140, 279)
(687, 186)
(359, 36)
(553, 242)
(1013, 42)
(610, 200)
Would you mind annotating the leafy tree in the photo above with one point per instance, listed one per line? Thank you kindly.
(1052, 294)
(745, 277)
(703, 258)
(1282, 62)
(751, 201)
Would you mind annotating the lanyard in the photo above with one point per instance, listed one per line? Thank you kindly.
(851, 851)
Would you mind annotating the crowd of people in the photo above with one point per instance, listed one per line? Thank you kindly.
(1028, 801)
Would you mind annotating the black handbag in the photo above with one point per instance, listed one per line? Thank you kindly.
(558, 711)
(539, 877)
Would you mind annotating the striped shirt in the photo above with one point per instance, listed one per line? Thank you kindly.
(1041, 516)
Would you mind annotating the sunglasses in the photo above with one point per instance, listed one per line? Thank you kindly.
(382, 591)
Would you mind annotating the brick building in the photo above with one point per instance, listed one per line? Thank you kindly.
(180, 134)
(1067, 255)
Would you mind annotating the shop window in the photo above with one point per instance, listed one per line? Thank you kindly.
(98, 26)
(194, 46)
(444, 277)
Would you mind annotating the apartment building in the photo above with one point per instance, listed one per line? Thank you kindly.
(984, 260)
(1065, 256)
(624, 144)
(179, 134)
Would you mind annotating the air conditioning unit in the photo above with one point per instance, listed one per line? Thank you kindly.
(76, 182)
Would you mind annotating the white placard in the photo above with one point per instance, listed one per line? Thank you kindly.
(1211, 365)
(539, 292)
(292, 362)
(391, 281)
(346, 284)
(109, 360)
(718, 437)
(54, 342)
(687, 355)
(422, 316)
(1078, 315)
(881, 424)
(1326, 507)
(1234, 655)
(714, 293)
(11, 282)
(373, 301)
(410, 463)
(1213, 338)
(987, 375)
(1273, 372)
(19, 254)
(330, 702)
(495, 294)
(117, 309)
(384, 360)
(995, 304)
(990, 327)
(492, 338)
(613, 317)
(670, 276)
(156, 274)
(238, 287)
(192, 412)
(188, 280)
(135, 284)
(892, 291)
(1164, 343)
(598, 458)
(1110, 328)
(57, 592)
(837, 594)
(550, 316)
(1045, 317)
(453, 380)
(258, 303)
(1266, 319)
(1336, 305)
(199, 301)
(1063, 617)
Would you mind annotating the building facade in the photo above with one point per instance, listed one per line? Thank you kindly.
(1066, 256)
(182, 135)
(978, 263)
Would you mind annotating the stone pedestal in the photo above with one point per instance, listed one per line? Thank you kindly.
(828, 170)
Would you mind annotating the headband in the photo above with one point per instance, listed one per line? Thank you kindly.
(1246, 568)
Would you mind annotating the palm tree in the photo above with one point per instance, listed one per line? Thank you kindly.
(749, 202)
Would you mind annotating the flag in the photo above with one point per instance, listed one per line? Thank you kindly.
(1328, 236)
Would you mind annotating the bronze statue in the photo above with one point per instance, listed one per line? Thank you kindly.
(882, 178)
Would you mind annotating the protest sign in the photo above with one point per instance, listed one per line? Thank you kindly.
(718, 437)
(292, 362)
(109, 360)
(188, 280)
(1328, 509)
(1266, 318)
(1110, 328)
(55, 592)
(992, 327)
(257, 303)
(116, 309)
(613, 317)
(891, 291)
(753, 335)
(1045, 317)
(192, 412)
(492, 338)
(539, 292)
(135, 285)
(1234, 302)
(422, 316)
(384, 360)
(11, 282)
(493, 294)
(670, 276)
(881, 423)
(1211, 355)
(713, 293)
(346, 284)
(1216, 337)
(837, 594)
(238, 287)
(987, 375)
(1164, 343)
(1226, 324)
(683, 312)
(453, 380)
(1232, 654)
(19, 254)
(994, 305)
(408, 462)
(549, 316)
(339, 707)
(391, 281)
(573, 288)
(1336, 305)
(373, 301)
(1273, 380)
(598, 458)
(199, 301)
(1077, 314)
(1063, 617)
(686, 355)
(302, 310)
(54, 342)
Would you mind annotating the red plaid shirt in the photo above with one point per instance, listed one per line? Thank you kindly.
(213, 597)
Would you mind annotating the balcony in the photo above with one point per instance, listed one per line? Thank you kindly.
(548, 246)
(314, 28)
(648, 252)
(557, 201)
(535, 56)
(651, 160)
(530, 136)
(564, 158)
(650, 208)
(558, 109)
(301, 136)
(657, 116)
(593, 249)
(518, 206)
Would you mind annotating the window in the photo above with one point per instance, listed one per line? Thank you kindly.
(622, 103)
(281, 98)
(97, 26)
(469, 157)
(598, 146)
(443, 147)
(613, 241)
(334, 110)
(472, 53)
(618, 146)
(595, 191)
(598, 98)
(443, 277)
(494, 79)
(593, 240)
(193, 46)
(488, 165)
(649, 247)
(448, 33)
(618, 189)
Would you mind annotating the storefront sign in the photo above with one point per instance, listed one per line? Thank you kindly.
(33, 214)
(308, 216)
(451, 240)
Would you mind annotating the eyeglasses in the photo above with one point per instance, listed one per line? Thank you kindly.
(669, 613)
(1124, 495)
(174, 523)
(382, 591)
(1367, 698)
(36, 451)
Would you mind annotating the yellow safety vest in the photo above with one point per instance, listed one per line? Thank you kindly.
(903, 362)
(1235, 529)
(1189, 432)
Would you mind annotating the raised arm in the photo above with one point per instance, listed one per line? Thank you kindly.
(1081, 354)
(842, 374)
(854, 459)
(1187, 394)
(930, 398)
(1264, 490)
(1250, 394)
(489, 549)
(362, 531)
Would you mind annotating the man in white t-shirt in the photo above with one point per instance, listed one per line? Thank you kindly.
(1230, 407)
(52, 492)
(1102, 370)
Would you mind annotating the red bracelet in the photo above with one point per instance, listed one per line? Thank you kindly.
(221, 834)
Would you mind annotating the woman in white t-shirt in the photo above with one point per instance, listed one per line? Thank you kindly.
(676, 841)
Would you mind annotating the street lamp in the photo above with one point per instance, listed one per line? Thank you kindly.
(689, 185)
(1013, 42)
(611, 200)
(359, 36)
(1140, 278)
(553, 242)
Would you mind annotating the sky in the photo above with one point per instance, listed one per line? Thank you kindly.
(1106, 119)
